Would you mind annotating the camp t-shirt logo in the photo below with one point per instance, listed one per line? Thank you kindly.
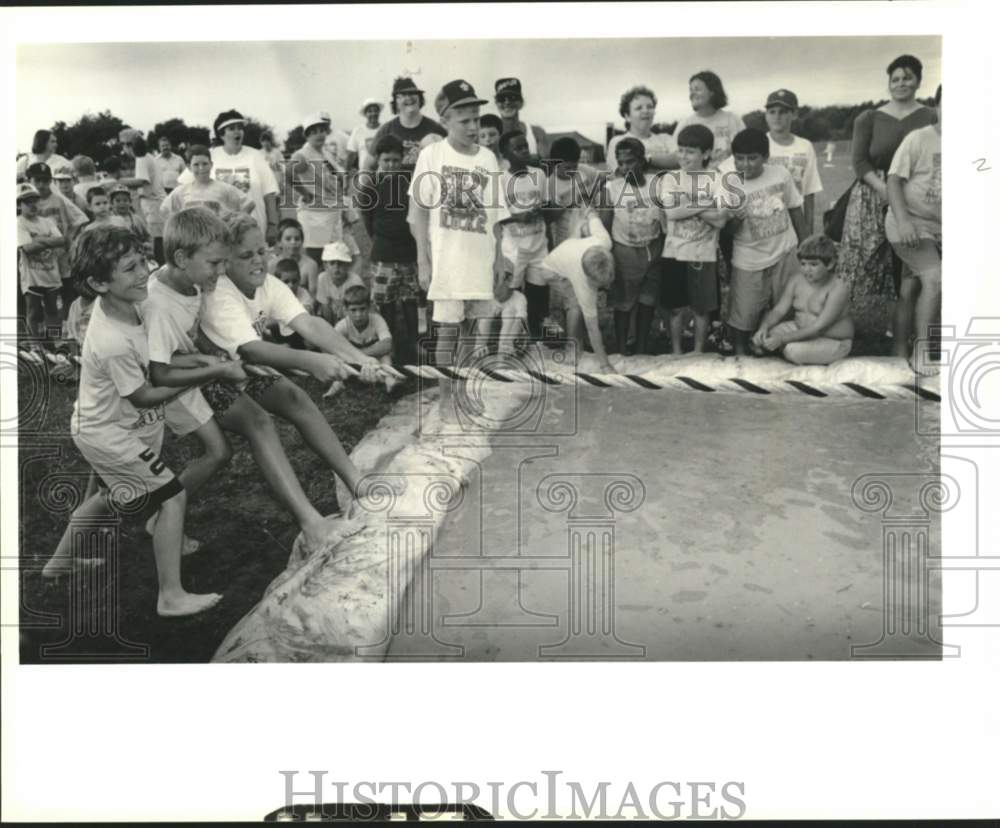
(43, 260)
(795, 164)
(239, 177)
(766, 213)
(463, 199)
(933, 194)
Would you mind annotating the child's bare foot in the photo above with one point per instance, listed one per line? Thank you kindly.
(57, 567)
(185, 603)
(335, 388)
(190, 544)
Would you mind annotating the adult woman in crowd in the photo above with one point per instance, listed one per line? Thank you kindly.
(708, 100)
(866, 259)
(43, 149)
(509, 100)
(246, 168)
(410, 125)
(638, 107)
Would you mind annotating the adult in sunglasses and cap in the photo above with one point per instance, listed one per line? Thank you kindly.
(510, 100)
(246, 168)
(410, 125)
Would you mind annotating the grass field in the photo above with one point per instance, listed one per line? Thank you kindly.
(247, 536)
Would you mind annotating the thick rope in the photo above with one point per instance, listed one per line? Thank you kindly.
(900, 391)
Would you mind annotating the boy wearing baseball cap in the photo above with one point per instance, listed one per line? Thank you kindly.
(457, 206)
(788, 150)
(362, 140)
(38, 243)
(510, 100)
(410, 126)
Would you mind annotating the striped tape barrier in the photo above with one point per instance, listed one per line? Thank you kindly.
(900, 391)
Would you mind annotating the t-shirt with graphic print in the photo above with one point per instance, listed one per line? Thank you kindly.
(39, 269)
(217, 196)
(114, 363)
(918, 161)
(798, 157)
(410, 136)
(692, 239)
(766, 233)
(231, 319)
(636, 220)
(724, 125)
(524, 242)
(465, 200)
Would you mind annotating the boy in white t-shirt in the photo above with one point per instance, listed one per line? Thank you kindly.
(576, 269)
(525, 243)
(688, 197)
(366, 330)
(119, 416)
(235, 316)
(196, 244)
(456, 209)
(767, 213)
(38, 243)
(636, 229)
(205, 191)
(913, 228)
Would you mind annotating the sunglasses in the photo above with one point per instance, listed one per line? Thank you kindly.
(505, 99)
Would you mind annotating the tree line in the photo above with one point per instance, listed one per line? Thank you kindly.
(97, 135)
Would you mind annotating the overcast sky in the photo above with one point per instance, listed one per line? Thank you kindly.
(568, 84)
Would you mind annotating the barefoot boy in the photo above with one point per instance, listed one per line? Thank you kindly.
(767, 212)
(236, 314)
(366, 330)
(822, 330)
(196, 245)
(119, 416)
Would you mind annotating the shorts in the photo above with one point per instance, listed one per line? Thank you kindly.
(822, 350)
(39, 291)
(923, 260)
(516, 306)
(393, 282)
(320, 227)
(138, 481)
(693, 284)
(454, 311)
(752, 292)
(637, 275)
(187, 412)
(221, 395)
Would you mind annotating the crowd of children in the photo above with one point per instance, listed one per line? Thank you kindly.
(490, 234)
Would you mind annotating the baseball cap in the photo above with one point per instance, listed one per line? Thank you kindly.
(401, 86)
(337, 251)
(508, 86)
(314, 118)
(782, 97)
(128, 135)
(370, 102)
(63, 172)
(456, 93)
(38, 170)
(118, 188)
(26, 191)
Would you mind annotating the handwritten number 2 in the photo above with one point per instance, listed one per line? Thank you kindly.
(980, 165)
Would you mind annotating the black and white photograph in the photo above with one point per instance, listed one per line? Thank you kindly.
(419, 356)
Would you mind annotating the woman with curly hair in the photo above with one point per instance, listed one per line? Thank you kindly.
(867, 261)
(638, 108)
